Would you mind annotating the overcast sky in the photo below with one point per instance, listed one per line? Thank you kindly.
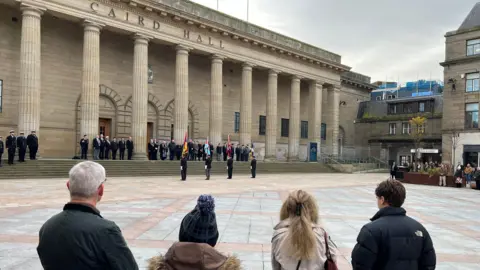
(397, 40)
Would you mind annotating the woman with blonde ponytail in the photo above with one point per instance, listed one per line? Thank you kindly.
(299, 242)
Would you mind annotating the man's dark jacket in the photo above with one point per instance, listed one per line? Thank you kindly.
(79, 238)
(393, 241)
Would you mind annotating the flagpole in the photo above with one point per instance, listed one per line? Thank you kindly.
(248, 8)
(217, 5)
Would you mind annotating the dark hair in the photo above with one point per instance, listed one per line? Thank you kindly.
(392, 191)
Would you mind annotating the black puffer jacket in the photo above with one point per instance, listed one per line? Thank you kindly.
(393, 241)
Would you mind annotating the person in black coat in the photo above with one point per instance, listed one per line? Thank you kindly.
(183, 167)
(208, 167)
(22, 147)
(393, 241)
(32, 143)
(96, 148)
(151, 150)
(2, 148)
(122, 146)
(11, 145)
(114, 147)
(178, 151)
(79, 237)
(130, 147)
(230, 167)
(393, 171)
(102, 147)
(253, 167)
(172, 148)
(84, 147)
(224, 151)
(238, 152)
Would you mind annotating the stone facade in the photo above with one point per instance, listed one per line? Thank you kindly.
(94, 61)
(457, 65)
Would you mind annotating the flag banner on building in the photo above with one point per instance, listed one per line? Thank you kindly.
(185, 145)
(229, 147)
(206, 147)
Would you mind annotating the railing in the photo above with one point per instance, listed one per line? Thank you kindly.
(353, 160)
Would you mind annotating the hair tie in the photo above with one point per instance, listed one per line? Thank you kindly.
(298, 210)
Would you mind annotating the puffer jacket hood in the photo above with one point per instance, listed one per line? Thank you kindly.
(193, 256)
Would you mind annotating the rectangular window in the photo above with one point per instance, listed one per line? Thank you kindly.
(392, 128)
(262, 125)
(323, 131)
(421, 129)
(471, 115)
(304, 130)
(473, 82)
(236, 127)
(392, 109)
(421, 106)
(406, 128)
(1, 95)
(284, 129)
(473, 47)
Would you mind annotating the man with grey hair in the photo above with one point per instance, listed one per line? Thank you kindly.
(79, 237)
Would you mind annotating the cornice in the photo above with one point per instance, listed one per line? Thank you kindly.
(189, 18)
(461, 60)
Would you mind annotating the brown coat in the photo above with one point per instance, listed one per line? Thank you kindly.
(190, 256)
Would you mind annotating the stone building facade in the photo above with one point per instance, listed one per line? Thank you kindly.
(384, 127)
(158, 69)
(461, 134)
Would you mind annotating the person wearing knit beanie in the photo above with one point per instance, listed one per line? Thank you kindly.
(200, 225)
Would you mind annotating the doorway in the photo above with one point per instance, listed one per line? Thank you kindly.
(104, 126)
(149, 134)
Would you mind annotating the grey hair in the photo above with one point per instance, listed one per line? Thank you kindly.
(85, 178)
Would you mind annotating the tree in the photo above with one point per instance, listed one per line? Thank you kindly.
(417, 125)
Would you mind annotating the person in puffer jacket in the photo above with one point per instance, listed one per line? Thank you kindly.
(393, 241)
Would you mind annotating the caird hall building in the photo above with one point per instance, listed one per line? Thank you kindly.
(157, 68)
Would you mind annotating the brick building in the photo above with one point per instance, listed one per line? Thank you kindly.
(156, 69)
(461, 134)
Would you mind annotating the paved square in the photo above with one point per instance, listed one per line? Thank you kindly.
(149, 211)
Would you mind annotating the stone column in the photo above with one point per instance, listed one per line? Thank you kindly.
(90, 99)
(271, 129)
(30, 68)
(246, 105)
(180, 125)
(315, 114)
(216, 107)
(334, 103)
(294, 122)
(140, 96)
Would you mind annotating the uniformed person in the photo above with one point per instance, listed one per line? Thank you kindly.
(208, 167)
(230, 167)
(84, 147)
(183, 167)
(253, 166)
(22, 147)
(129, 148)
(122, 146)
(32, 143)
(11, 145)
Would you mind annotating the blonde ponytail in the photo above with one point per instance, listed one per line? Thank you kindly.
(301, 209)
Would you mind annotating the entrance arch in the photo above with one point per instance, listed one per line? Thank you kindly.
(109, 105)
(166, 121)
(154, 109)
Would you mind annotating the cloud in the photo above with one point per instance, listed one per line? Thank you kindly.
(379, 38)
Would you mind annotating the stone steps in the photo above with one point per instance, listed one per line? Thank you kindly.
(49, 168)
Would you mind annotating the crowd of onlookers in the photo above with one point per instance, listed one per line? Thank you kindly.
(79, 238)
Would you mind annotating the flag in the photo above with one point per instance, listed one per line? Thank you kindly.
(185, 145)
(229, 147)
(206, 147)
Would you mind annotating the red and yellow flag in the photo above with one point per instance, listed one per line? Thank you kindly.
(185, 145)
(229, 148)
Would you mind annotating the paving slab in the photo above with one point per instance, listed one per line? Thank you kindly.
(149, 211)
